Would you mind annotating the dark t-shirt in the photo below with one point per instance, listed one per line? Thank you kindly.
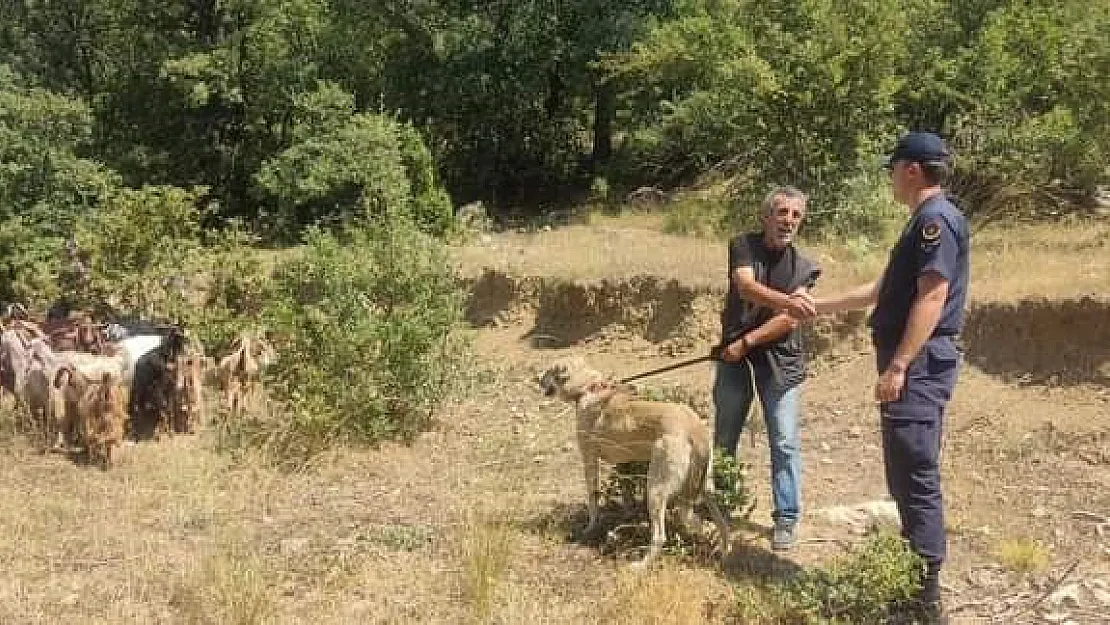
(782, 270)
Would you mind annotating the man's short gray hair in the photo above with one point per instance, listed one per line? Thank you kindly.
(789, 192)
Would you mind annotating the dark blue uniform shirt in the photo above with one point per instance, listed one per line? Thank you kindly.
(935, 239)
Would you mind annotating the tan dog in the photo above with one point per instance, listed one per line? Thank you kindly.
(616, 427)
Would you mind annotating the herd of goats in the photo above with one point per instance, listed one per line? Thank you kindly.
(88, 386)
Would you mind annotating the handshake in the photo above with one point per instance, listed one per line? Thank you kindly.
(801, 306)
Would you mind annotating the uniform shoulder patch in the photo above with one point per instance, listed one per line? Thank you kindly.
(930, 232)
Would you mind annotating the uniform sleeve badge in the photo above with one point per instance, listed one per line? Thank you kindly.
(930, 232)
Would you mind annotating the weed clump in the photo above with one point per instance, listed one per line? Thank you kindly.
(871, 584)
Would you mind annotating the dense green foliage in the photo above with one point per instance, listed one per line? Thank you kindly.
(365, 323)
(265, 103)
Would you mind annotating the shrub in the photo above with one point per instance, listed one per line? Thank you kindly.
(868, 585)
(859, 210)
(44, 186)
(365, 321)
(366, 167)
(30, 262)
(138, 243)
(234, 283)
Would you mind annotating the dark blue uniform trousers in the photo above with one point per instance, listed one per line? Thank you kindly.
(912, 429)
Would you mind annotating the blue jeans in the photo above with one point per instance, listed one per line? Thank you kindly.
(733, 392)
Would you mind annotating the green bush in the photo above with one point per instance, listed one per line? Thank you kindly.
(868, 585)
(232, 281)
(139, 243)
(31, 262)
(44, 185)
(366, 323)
(368, 166)
(730, 483)
(861, 209)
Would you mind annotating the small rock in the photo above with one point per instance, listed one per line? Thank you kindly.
(825, 461)
(862, 516)
(538, 459)
(568, 447)
(1066, 595)
(825, 447)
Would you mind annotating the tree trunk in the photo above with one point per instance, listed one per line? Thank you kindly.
(604, 112)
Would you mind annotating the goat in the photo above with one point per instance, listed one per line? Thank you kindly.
(15, 310)
(240, 372)
(15, 360)
(89, 365)
(188, 400)
(66, 391)
(38, 397)
(154, 386)
(101, 412)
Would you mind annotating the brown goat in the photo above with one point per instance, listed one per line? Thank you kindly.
(66, 389)
(188, 401)
(240, 372)
(101, 412)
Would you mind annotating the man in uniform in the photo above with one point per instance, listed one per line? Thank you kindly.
(761, 348)
(919, 311)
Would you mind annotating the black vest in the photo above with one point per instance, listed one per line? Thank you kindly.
(785, 357)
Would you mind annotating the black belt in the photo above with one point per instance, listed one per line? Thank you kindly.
(877, 338)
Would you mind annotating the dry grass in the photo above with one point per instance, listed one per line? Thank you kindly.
(486, 548)
(1042, 260)
(1024, 555)
(668, 596)
(229, 583)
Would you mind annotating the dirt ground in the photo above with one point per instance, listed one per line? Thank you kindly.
(478, 520)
